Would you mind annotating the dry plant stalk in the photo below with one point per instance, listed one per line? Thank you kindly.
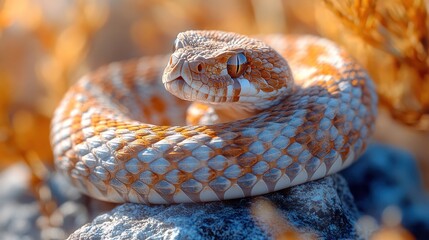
(62, 46)
(398, 33)
(272, 222)
(392, 233)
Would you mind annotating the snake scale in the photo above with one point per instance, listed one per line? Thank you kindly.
(268, 113)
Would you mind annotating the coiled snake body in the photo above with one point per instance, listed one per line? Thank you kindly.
(261, 124)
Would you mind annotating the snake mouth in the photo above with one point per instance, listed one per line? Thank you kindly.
(175, 86)
(180, 88)
(177, 79)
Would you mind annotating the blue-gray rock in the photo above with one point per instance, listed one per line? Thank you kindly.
(19, 209)
(324, 208)
(386, 176)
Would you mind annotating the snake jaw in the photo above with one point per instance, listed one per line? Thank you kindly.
(185, 80)
(176, 87)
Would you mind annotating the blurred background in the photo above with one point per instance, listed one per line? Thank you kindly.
(45, 46)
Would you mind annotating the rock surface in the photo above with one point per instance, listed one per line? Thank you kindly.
(384, 177)
(323, 208)
(20, 211)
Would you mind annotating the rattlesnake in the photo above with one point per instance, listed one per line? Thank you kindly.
(265, 119)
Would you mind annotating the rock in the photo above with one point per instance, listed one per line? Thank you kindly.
(385, 177)
(323, 208)
(18, 209)
(73, 208)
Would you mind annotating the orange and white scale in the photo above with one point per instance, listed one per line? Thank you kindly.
(267, 115)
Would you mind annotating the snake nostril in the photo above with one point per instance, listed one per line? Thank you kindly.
(200, 67)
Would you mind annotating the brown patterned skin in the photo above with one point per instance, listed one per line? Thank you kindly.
(120, 137)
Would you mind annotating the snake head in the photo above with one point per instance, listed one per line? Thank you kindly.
(221, 67)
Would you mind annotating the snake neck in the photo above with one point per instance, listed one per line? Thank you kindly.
(199, 113)
(208, 114)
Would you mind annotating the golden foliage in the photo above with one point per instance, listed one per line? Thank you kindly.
(391, 39)
(34, 80)
(43, 46)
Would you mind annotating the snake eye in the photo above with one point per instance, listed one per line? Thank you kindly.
(177, 44)
(236, 65)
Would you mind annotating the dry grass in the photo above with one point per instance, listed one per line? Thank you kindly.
(391, 38)
(269, 219)
(43, 47)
